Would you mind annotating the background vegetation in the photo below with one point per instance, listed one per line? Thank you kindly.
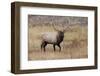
(75, 40)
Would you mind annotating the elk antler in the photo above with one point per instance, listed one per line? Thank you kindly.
(65, 27)
(55, 28)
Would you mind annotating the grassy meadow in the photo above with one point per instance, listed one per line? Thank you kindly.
(74, 45)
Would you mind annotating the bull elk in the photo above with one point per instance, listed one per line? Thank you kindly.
(54, 38)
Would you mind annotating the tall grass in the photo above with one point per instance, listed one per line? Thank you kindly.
(74, 44)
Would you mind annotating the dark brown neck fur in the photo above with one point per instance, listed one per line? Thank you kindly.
(60, 37)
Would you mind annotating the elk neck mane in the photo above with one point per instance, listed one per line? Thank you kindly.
(60, 36)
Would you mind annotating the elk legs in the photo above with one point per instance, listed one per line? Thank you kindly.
(43, 45)
(59, 47)
(54, 47)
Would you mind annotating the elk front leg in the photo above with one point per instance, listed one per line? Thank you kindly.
(54, 47)
(59, 47)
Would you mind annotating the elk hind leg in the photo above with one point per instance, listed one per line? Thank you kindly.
(44, 45)
(41, 46)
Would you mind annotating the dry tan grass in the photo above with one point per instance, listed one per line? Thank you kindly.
(74, 44)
